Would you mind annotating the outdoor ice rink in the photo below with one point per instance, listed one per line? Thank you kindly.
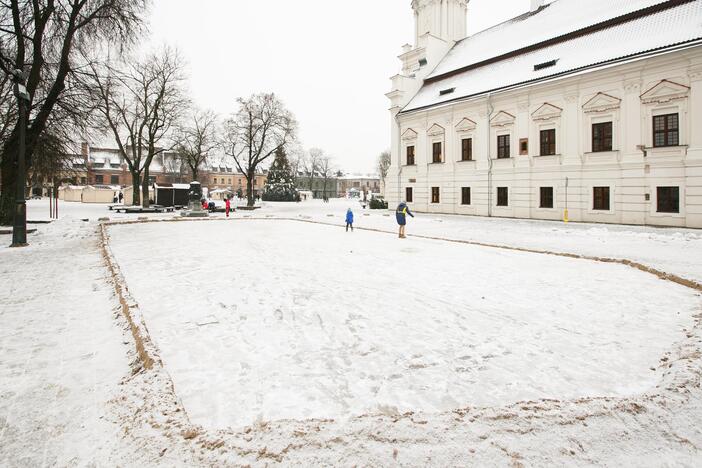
(275, 337)
(278, 319)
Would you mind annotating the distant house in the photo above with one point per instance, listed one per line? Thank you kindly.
(364, 183)
(318, 185)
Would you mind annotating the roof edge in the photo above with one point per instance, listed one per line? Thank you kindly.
(564, 37)
(640, 55)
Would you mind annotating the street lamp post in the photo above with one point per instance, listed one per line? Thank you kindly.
(19, 228)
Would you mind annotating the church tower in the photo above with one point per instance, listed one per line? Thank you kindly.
(445, 19)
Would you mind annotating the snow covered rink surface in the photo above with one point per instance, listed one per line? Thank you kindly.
(261, 320)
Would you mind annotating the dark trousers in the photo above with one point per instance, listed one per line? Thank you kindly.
(349, 225)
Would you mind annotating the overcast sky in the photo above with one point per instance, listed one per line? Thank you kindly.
(329, 60)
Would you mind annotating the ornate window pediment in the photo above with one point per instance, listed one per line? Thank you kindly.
(602, 102)
(502, 119)
(465, 125)
(546, 112)
(409, 134)
(436, 130)
(665, 91)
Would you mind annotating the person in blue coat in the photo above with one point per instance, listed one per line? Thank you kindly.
(349, 220)
(401, 214)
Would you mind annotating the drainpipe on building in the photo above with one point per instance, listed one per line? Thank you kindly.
(490, 110)
(399, 163)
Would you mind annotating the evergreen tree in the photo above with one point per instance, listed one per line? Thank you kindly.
(281, 180)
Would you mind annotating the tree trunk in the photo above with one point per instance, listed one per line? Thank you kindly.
(145, 202)
(8, 184)
(251, 201)
(136, 187)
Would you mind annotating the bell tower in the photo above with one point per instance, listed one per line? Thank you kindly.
(445, 19)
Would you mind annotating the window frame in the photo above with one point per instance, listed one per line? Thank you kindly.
(410, 151)
(598, 145)
(113, 178)
(658, 200)
(608, 189)
(547, 146)
(552, 197)
(468, 149)
(436, 195)
(504, 150)
(666, 132)
(99, 179)
(506, 194)
(466, 191)
(409, 194)
(434, 146)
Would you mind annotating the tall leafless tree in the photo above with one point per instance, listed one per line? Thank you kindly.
(140, 105)
(260, 127)
(196, 139)
(310, 165)
(325, 168)
(47, 41)
(384, 161)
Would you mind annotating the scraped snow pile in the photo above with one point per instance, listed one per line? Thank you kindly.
(272, 319)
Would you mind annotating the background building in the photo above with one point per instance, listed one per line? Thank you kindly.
(364, 183)
(594, 107)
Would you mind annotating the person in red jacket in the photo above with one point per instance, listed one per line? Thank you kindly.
(228, 206)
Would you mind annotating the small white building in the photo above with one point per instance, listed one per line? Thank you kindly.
(591, 106)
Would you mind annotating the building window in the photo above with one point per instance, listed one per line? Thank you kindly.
(668, 199)
(602, 137)
(83, 180)
(410, 155)
(503, 146)
(99, 180)
(435, 195)
(114, 180)
(465, 196)
(408, 195)
(524, 147)
(665, 130)
(436, 152)
(548, 142)
(467, 149)
(600, 198)
(546, 198)
(502, 196)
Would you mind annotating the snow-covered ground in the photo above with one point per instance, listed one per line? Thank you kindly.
(280, 341)
(286, 320)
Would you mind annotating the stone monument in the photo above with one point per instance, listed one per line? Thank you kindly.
(195, 202)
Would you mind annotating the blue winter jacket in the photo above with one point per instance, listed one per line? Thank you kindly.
(401, 212)
(349, 217)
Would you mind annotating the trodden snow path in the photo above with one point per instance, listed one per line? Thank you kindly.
(62, 354)
(279, 319)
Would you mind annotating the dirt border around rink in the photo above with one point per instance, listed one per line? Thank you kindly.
(677, 391)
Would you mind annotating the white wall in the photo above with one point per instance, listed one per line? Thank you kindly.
(631, 175)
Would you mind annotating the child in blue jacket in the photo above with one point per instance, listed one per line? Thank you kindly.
(349, 220)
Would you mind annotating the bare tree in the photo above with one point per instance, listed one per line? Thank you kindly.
(310, 164)
(325, 168)
(384, 161)
(140, 105)
(196, 139)
(260, 127)
(46, 41)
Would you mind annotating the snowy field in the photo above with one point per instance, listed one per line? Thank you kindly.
(267, 319)
(280, 339)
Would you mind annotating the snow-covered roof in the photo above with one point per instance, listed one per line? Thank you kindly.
(491, 60)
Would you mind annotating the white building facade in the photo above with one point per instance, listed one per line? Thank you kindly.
(591, 107)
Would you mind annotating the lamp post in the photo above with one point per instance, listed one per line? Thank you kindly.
(19, 228)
